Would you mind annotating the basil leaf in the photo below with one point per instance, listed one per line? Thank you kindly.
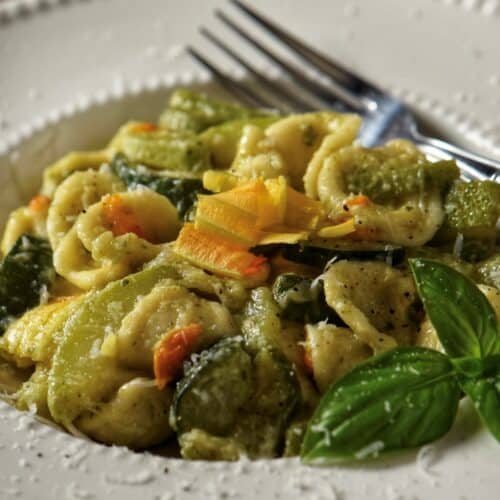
(485, 394)
(400, 399)
(464, 320)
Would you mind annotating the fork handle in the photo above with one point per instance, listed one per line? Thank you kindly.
(472, 163)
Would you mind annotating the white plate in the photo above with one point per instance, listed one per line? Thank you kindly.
(63, 70)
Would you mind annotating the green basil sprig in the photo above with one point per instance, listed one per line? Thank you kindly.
(469, 331)
(400, 399)
(409, 396)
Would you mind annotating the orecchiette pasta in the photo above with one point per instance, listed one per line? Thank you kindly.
(333, 352)
(167, 307)
(218, 277)
(73, 261)
(298, 137)
(343, 132)
(74, 196)
(287, 146)
(374, 300)
(257, 157)
(136, 416)
(69, 164)
(86, 250)
(155, 215)
(412, 221)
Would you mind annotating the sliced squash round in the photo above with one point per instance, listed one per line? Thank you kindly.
(214, 389)
(243, 396)
(81, 377)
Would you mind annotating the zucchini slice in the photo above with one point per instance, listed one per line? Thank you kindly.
(231, 393)
(213, 390)
(194, 112)
(319, 256)
(25, 275)
(80, 378)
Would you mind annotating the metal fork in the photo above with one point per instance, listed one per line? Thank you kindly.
(384, 116)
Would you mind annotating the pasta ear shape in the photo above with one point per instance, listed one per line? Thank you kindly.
(98, 236)
(73, 262)
(297, 138)
(365, 309)
(72, 162)
(287, 146)
(137, 416)
(410, 216)
(167, 307)
(74, 196)
(333, 351)
(256, 156)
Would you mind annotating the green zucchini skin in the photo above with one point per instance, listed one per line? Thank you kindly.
(167, 150)
(473, 208)
(234, 393)
(78, 380)
(472, 211)
(213, 390)
(190, 111)
(390, 180)
(182, 192)
(26, 273)
(319, 257)
(302, 301)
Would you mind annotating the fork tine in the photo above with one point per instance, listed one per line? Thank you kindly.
(297, 104)
(331, 96)
(238, 89)
(329, 66)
